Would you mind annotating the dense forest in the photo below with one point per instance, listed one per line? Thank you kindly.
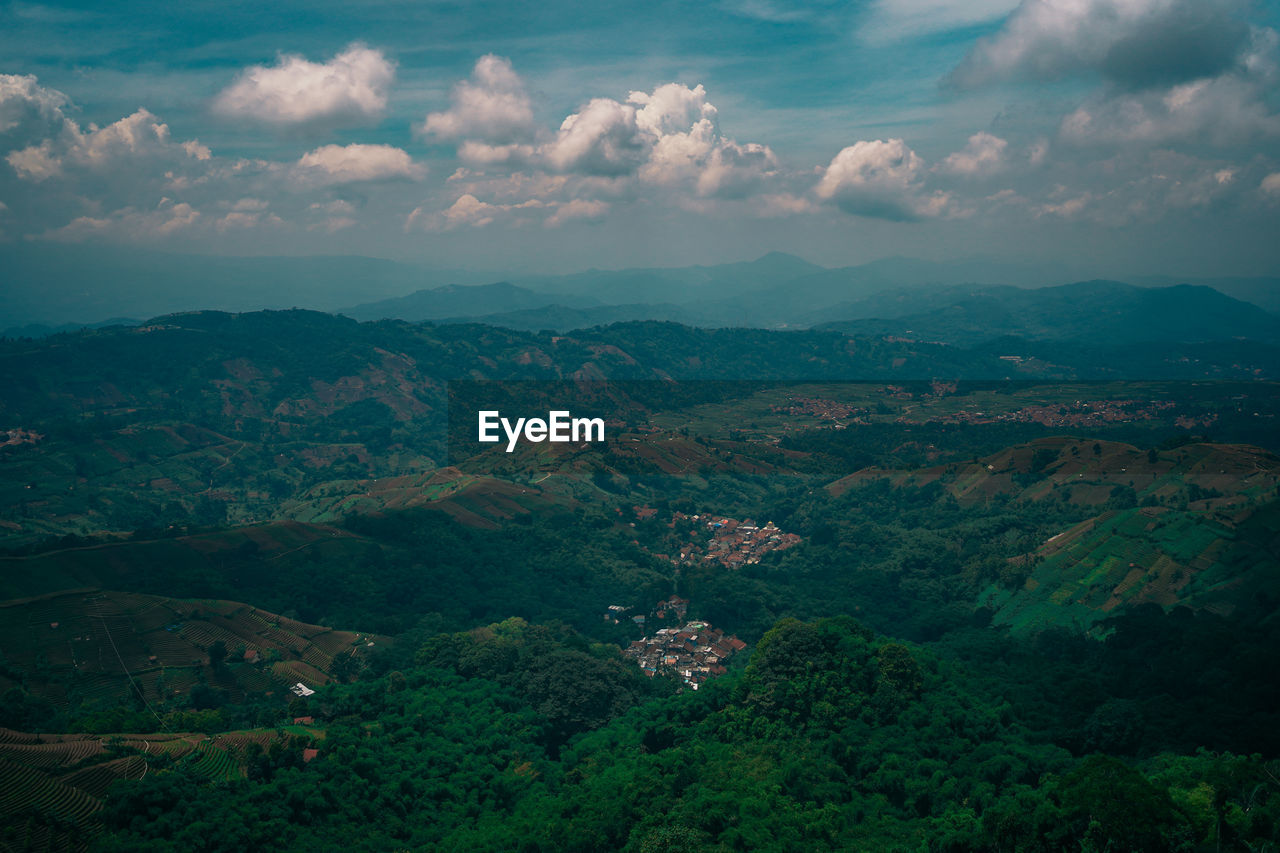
(1007, 616)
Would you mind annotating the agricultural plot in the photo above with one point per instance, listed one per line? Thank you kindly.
(1136, 556)
(27, 791)
(106, 645)
(52, 786)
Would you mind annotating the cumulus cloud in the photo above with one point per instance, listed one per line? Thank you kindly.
(1225, 110)
(492, 106)
(36, 162)
(600, 139)
(341, 164)
(469, 211)
(1070, 208)
(668, 137)
(25, 104)
(466, 211)
(128, 224)
(983, 155)
(481, 154)
(783, 204)
(334, 215)
(1271, 185)
(578, 208)
(139, 137)
(879, 179)
(686, 147)
(1133, 43)
(348, 90)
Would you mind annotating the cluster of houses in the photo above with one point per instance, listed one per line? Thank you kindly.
(1081, 413)
(674, 607)
(823, 409)
(695, 652)
(733, 543)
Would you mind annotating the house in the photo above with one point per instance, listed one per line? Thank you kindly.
(301, 690)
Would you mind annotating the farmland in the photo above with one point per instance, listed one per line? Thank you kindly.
(52, 786)
(98, 647)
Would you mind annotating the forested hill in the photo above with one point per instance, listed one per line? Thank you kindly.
(965, 614)
(257, 361)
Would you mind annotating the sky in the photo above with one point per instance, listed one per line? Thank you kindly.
(1126, 136)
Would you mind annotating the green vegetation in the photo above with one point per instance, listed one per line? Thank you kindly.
(829, 739)
(1010, 616)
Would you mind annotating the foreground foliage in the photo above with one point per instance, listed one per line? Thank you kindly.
(831, 738)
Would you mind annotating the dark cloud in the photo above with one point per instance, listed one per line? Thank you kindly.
(1196, 41)
(1132, 43)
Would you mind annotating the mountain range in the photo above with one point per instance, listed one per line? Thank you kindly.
(963, 302)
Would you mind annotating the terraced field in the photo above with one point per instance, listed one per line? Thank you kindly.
(52, 786)
(1141, 555)
(107, 645)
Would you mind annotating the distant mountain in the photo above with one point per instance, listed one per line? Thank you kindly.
(54, 285)
(39, 330)
(561, 318)
(676, 285)
(1261, 291)
(454, 300)
(1100, 313)
(46, 289)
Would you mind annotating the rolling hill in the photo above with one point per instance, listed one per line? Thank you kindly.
(1093, 313)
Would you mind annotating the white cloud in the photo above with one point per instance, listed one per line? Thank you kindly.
(197, 151)
(24, 103)
(982, 155)
(350, 89)
(1069, 209)
(1220, 111)
(879, 179)
(339, 164)
(466, 210)
(671, 108)
(480, 154)
(140, 137)
(578, 208)
(128, 224)
(764, 10)
(686, 147)
(1271, 185)
(35, 163)
(240, 219)
(492, 106)
(668, 137)
(335, 215)
(133, 134)
(783, 204)
(1135, 43)
(895, 20)
(601, 139)
(607, 150)
(250, 204)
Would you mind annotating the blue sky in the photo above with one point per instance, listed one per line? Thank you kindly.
(1120, 136)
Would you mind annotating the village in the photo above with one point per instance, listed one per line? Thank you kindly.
(732, 543)
(695, 652)
(841, 414)
(1081, 413)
